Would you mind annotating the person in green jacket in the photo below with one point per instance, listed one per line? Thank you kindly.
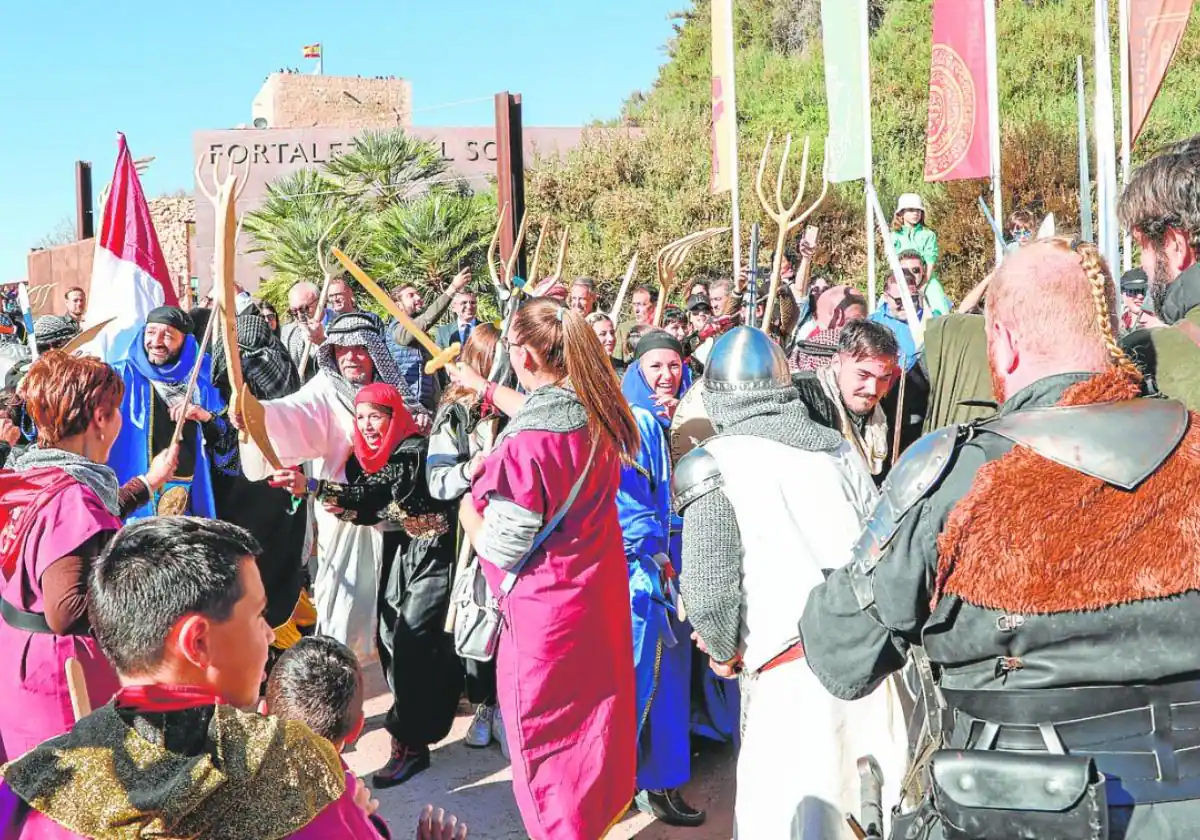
(909, 233)
(1161, 208)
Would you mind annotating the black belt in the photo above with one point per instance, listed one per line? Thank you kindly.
(1147, 737)
(21, 620)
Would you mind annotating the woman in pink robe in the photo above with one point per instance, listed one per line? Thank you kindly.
(61, 506)
(564, 676)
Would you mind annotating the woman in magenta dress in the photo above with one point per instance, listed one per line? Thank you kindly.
(564, 675)
(59, 507)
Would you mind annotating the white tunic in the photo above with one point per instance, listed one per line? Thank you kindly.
(314, 425)
(799, 512)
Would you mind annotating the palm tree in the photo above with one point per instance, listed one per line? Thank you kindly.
(428, 239)
(390, 203)
(384, 168)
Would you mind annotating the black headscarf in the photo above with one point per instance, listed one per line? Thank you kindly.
(172, 316)
(266, 366)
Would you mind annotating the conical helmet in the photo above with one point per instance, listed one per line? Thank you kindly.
(746, 359)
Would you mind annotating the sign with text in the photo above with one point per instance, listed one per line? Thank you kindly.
(267, 154)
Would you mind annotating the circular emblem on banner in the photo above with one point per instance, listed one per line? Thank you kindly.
(951, 113)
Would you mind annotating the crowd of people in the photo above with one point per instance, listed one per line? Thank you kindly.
(931, 535)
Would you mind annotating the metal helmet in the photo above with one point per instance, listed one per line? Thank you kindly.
(746, 359)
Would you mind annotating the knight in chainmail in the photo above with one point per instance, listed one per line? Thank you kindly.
(315, 426)
(158, 371)
(769, 503)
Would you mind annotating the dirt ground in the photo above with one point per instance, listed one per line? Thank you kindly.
(476, 785)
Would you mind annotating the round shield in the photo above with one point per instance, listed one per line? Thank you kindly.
(690, 427)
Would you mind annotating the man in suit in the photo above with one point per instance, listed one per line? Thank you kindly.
(464, 307)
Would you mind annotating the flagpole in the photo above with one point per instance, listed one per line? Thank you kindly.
(1085, 177)
(320, 59)
(1126, 118)
(989, 26)
(869, 155)
(1105, 131)
(734, 192)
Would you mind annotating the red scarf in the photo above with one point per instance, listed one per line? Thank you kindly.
(401, 427)
(165, 698)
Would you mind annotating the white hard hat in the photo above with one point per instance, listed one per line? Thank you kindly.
(909, 201)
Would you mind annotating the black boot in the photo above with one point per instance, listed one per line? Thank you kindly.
(667, 806)
(405, 763)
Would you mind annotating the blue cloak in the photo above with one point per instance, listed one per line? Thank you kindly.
(131, 455)
(662, 649)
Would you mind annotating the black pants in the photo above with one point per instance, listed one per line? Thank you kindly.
(416, 652)
(481, 681)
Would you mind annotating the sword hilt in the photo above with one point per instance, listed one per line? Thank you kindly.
(443, 358)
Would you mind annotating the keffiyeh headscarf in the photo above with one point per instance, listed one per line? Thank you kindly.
(358, 329)
(54, 330)
(266, 366)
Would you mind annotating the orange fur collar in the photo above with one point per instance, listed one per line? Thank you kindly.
(1033, 536)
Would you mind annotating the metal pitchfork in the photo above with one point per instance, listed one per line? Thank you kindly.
(671, 258)
(788, 218)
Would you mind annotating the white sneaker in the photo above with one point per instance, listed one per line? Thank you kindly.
(479, 733)
(498, 734)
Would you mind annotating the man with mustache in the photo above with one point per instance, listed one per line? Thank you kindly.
(1037, 566)
(1161, 207)
(156, 375)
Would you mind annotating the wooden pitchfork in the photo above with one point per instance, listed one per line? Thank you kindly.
(671, 258)
(532, 279)
(503, 279)
(787, 217)
(327, 270)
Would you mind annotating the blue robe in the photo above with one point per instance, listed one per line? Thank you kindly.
(131, 455)
(715, 702)
(662, 649)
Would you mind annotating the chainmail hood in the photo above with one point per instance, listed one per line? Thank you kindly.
(773, 413)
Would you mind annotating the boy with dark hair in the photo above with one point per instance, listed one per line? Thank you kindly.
(177, 605)
(319, 682)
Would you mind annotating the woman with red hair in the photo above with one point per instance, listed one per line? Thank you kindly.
(386, 487)
(59, 507)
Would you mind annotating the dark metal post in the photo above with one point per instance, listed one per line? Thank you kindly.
(85, 226)
(510, 173)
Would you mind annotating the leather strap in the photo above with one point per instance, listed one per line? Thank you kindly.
(21, 620)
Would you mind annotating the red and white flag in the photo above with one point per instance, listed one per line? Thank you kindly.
(957, 138)
(129, 274)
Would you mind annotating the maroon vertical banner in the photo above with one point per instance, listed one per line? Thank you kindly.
(1155, 30)
(956, 143)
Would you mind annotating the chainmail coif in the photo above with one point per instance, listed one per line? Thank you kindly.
(773, 413)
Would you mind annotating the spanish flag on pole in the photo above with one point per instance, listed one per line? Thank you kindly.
(312, 51)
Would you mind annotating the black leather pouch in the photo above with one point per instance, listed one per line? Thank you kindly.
(994, 795)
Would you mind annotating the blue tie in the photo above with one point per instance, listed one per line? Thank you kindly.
(464, 332)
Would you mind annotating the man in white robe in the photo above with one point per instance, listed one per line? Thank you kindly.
(768, 504)
(316, 425)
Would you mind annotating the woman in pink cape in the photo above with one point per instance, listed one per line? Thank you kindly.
(564, 676)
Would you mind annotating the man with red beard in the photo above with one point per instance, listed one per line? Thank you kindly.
(1045, 563)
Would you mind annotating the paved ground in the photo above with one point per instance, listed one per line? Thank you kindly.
(477, 786)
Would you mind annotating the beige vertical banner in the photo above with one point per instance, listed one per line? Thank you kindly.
(724, 109)
(1155, 30)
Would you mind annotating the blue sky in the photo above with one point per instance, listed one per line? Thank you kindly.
(79, 71)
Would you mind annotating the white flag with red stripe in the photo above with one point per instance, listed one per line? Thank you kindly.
(129, 273)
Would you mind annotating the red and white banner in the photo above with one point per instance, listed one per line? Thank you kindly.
(1155, 30)
(724, 106)
(956, 144)
(129, 274)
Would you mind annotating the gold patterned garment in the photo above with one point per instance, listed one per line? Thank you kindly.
(251, 778)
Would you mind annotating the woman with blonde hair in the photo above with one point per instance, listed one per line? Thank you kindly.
(542, 515)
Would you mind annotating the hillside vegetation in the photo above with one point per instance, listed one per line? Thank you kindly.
(621, 193)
